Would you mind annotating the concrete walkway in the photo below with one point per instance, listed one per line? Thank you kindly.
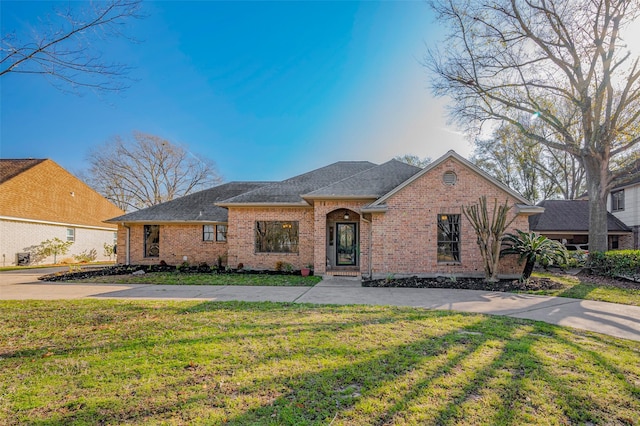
(602, 317)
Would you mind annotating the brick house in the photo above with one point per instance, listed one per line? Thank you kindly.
(39, 200)
(348, 218)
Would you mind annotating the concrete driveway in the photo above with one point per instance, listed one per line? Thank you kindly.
(601, 317)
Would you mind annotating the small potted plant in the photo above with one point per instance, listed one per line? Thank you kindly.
(306, 270)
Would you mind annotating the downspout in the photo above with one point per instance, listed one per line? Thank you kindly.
(369, 254)
(127, 245)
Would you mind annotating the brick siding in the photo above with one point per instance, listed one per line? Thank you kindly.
(241, 237)
(176, 241)
(404, 239)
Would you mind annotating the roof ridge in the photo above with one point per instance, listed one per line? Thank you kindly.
(376, 166)
(326, 167)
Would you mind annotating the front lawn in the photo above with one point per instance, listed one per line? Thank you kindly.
(592, 288)
(160, 362)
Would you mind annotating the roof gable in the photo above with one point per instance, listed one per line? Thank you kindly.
(289, 192)
(450, 154)
(569, 216)
(197, 207)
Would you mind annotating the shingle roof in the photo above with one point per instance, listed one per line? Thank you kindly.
(570, 216)
(196, 207)
(370, 183)
(12, 168)
(289, 191)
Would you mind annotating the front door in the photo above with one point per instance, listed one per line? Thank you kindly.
(346, 244)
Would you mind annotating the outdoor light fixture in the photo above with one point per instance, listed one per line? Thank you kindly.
(346, 215)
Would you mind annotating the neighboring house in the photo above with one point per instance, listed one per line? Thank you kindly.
(567, 221)
(348, 218)
(624, 203)
(39, 200)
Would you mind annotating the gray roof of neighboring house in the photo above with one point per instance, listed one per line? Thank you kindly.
(569, 216)
(289, 191)
(196, 207)
(10, 168)
(370, 183)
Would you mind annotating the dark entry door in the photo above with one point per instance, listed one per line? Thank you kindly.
(346, 244)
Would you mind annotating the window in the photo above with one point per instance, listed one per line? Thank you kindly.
(71, 234)
(207, 232)
(276, 237)
(448, 238)
(151, 240)
(614, 242)
(221, 233)
(617, 201)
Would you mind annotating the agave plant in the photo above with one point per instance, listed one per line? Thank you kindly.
(532, 248)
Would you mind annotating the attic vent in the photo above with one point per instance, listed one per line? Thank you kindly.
(449, 178)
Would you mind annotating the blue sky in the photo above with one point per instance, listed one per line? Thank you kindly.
(265, 89)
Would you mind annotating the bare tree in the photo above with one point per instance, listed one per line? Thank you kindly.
(64, 51)
(516, 61)
(534, 170)
(147, 170)
(414, 160)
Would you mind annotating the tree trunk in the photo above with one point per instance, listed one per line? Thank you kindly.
(528, 268)
(597, 175)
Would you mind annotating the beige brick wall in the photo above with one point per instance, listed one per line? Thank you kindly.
(241, 236)
(176, 241)
(20, 237)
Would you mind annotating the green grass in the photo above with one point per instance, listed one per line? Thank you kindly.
(152, 362)
(581, 288)
(178, 278)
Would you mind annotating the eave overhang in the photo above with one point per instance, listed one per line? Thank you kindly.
(375, 209)
(528, 210)
(292, 205)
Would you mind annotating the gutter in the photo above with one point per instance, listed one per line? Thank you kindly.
(527, 210)
(127, 244)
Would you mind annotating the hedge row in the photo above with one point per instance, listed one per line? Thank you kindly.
(616, 263)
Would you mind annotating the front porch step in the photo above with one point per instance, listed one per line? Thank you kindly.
(354, 274)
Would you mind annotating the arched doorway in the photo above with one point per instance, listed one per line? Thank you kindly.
(343, 239)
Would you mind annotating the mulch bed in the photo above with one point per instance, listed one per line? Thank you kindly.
(466, 284)
(534, 283)
(130, 269)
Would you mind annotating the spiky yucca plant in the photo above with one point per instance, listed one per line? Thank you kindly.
(532, 248)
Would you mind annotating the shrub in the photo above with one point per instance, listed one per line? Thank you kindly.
(615, 263)
(283, 266)
(533, 248)
(109, 250)
(53, 247)
(86, 257)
